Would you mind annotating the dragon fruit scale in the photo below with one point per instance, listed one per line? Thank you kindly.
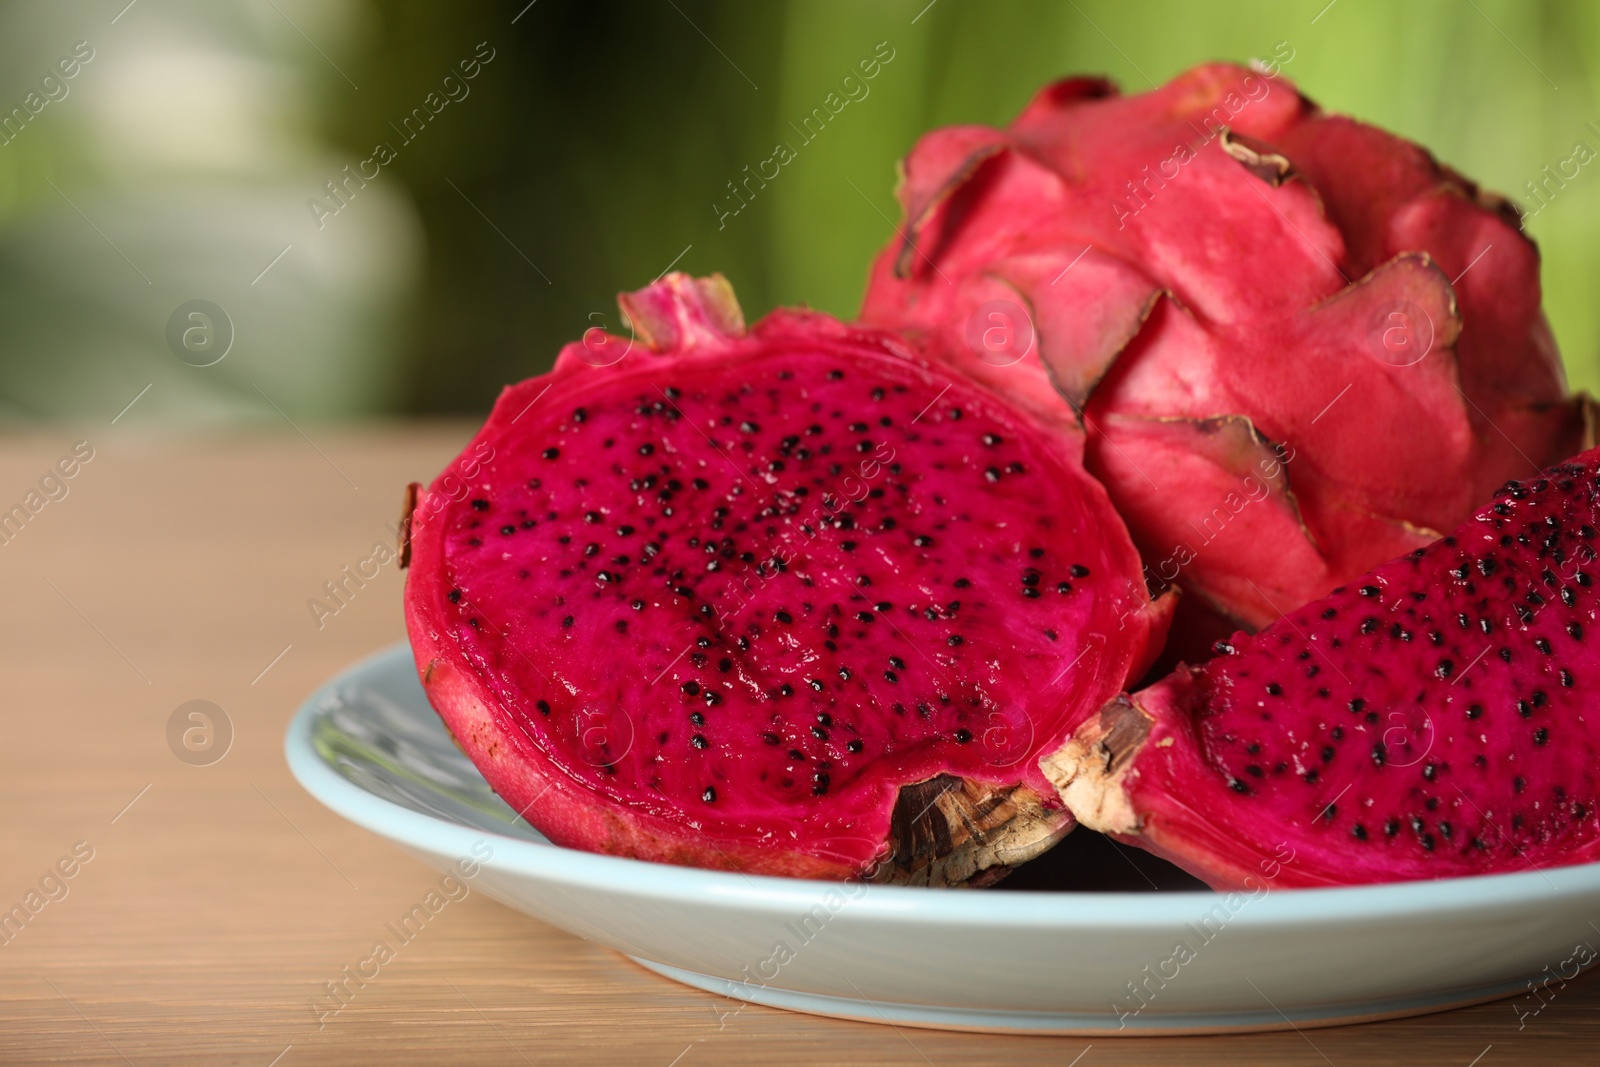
(1297, 345)
(1433, 718)
(788, 600)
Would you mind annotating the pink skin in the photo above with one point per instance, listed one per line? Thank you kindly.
(1174, 274)
(638, 724)
(1498, 758)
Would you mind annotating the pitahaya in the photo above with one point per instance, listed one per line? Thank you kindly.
(790, 601)
(1299, 346)
(1431, 719)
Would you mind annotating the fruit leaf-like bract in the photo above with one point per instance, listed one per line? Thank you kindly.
(1297, 344)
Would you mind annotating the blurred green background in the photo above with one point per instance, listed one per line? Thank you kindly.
(591, 151)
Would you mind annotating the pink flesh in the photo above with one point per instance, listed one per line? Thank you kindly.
(1435, 718)
(904, 627)
(1092, 205)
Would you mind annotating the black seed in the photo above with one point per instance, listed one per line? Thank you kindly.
(864, 616)
(1030, 592)
(853, 746)
(1541, 735)
(786, 690)
(455, 596)
(1329, 613)
(1358, 832)
(963, 736)
(783, 617)
(954, 639)
(710, 795)
(713, 698)
(1369, 624)
(819, 733)
(1238, 785)
(1274, 689)
(1541, 644)
(551, 453)
(1474, 711)
(1575, 631)
(692, 688)
(543, 706)
(1444, 669)
(819, 783)
(1369, 590)
(1356, 704)
(1429, 770)
(697, 718)
(1566, 677)
(992, 475)
(1486, 566)
(1327, 753)
(1380, 754)
(566, 623)
(698, 741)
(816, 684)
(1427, 842)
(1030, 577)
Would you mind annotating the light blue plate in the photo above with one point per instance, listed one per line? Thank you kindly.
(1170, 962)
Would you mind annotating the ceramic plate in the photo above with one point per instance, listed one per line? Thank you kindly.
(1131, 945)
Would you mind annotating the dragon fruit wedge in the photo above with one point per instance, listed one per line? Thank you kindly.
(790, 600)
(1434, 718)
(1298, 345)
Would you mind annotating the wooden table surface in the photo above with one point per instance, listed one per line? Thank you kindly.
(219, 899)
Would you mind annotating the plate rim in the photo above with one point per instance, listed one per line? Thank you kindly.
(1039, 910)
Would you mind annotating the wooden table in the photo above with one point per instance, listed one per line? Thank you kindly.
(219, 899)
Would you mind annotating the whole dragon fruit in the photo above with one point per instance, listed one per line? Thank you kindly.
(789, 600)
(1432, 719)
(1297, 344)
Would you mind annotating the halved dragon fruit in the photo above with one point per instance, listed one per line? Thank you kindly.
(790, 601)
(1433, 718)
(1299, 345)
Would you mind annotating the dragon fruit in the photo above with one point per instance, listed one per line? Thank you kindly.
(790, 600)
(1431, 719)
(1298, 345)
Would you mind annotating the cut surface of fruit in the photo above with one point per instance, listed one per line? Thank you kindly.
(787, 600)
(1434, 718)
